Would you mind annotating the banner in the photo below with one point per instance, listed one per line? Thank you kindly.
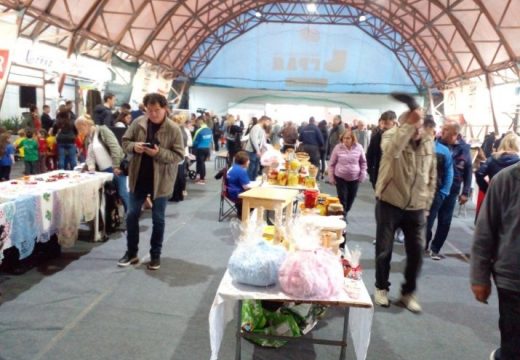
(122, 78)
(9, 31)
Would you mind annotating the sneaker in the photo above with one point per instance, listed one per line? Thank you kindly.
(374, 242)
(495, 354)
(410, 302)
(399, 237)
(154, 264)
(184, 193)
(128, 259)
(200, 182)
(381, 298)
(435, 256)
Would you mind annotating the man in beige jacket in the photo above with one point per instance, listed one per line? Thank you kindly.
(156, 145)
(404, 191)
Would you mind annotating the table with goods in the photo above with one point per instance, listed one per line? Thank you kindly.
(35, 207)
(281, 279)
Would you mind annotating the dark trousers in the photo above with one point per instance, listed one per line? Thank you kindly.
(31, 167)
(389, 218)
(314, 153)
(434, 210)
(254, 165)
(5, 172)
(445, 214)
(137, 199)
(347, 191)
(201, 155)
(216, 141)
(180, 183)
(509, 324)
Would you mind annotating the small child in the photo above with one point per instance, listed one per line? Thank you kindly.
(30, 147)
(43, 149)
(52, 155)
(21, 137)
(7, 151)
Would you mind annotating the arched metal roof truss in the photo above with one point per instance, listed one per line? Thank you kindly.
(455, 39)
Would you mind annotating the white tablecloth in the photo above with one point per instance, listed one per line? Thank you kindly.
(229, 292)
(59, 206)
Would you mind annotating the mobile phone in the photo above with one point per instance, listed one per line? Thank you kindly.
(148, 145)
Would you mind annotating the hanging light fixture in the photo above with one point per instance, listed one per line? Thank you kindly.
(258, 14)
(362, 18)
(311, 7)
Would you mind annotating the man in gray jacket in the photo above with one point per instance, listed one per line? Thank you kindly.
(496, 253)
(156, 145)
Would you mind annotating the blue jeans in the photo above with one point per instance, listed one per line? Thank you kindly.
(254, 165)
(434, 210)
(137, 199)
(445, 214)
(67, 155)
(120, 184)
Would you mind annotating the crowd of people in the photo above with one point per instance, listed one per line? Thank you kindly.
(419, 176)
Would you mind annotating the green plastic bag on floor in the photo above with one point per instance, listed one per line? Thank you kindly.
(288, 320)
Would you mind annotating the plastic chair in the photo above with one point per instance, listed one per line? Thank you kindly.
(227, 206)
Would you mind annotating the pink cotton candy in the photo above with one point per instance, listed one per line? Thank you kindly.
(311, 274)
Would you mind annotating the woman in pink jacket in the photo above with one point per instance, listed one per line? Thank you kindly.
(347, 168)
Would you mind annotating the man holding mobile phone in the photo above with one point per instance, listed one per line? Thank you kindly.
(156, 146)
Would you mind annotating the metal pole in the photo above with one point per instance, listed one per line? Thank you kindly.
(343, 354)
(238, 348)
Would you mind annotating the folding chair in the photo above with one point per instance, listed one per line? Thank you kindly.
(227, 206)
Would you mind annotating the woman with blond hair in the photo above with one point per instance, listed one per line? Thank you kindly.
(104, 153)
(506, 155)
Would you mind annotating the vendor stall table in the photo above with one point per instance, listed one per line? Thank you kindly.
(34, 208)
(267, 199)
(357, 305)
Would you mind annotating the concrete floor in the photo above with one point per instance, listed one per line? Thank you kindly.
(82, 306)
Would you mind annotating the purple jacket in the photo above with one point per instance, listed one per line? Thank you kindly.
(349, 165)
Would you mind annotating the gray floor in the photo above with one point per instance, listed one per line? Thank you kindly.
(82, 306)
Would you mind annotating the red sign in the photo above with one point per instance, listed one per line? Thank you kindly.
(4, 58)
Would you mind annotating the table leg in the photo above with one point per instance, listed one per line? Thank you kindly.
(238, 348)
(260, 215)
(343, 354)
(245, 211)
(288, 212)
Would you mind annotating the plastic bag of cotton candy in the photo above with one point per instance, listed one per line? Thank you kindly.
(311, 271)
(254, 261)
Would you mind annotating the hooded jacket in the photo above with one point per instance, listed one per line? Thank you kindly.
(408, 172)
(496, 246)
(171, 153)
(103, 115)
(492, 166)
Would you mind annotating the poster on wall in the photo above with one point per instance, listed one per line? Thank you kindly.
(9, 31)
(123, 73)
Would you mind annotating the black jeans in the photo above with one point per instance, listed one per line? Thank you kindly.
(5, 172)
(323, 163)
(389, 218)
(180, 183)
(347, 191)
(509, 324)
(201, 156)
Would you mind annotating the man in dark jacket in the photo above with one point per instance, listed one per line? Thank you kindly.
(47, 121)
(103, 113)
(374, 152)
(496, 253)
(312, 141)
(462, 174)
(335, 133)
